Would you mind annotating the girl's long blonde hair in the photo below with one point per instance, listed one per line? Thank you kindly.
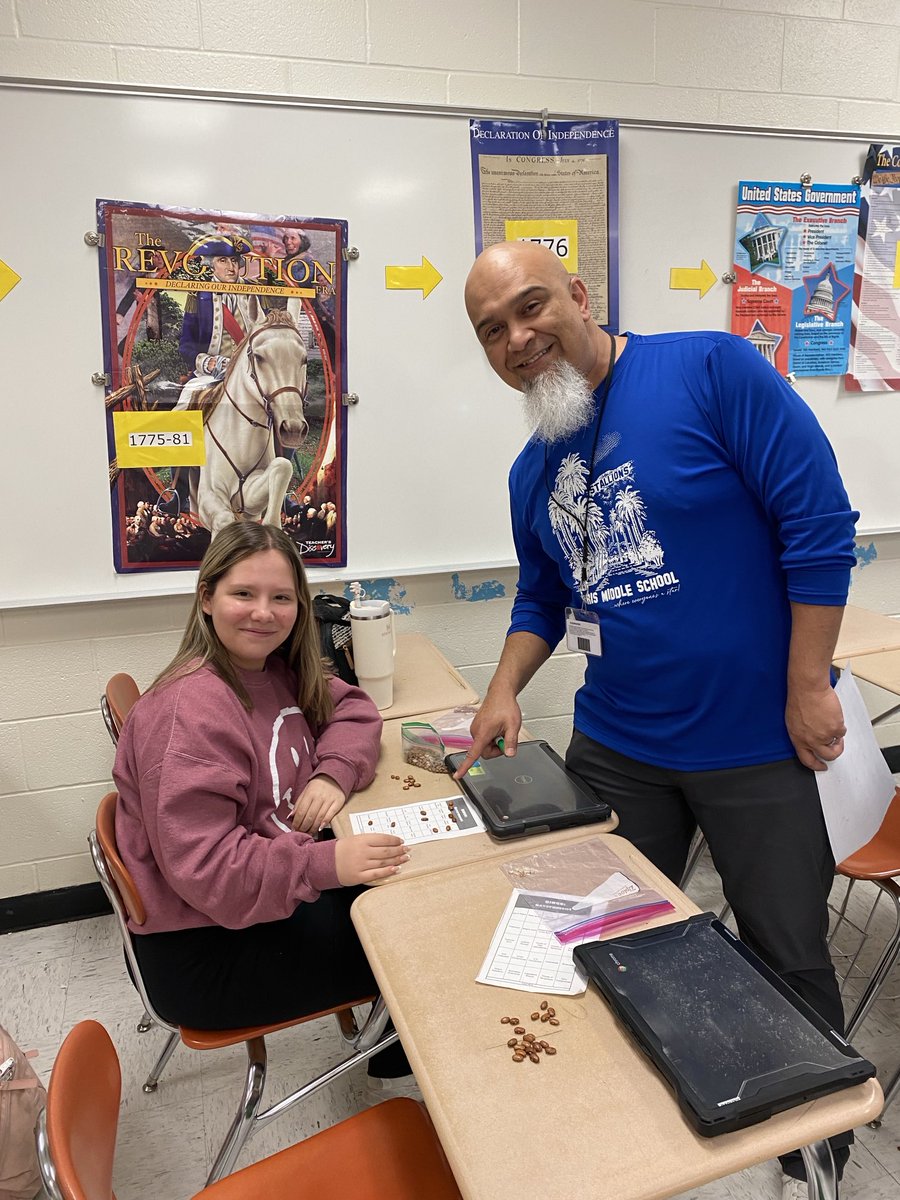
(300, 650)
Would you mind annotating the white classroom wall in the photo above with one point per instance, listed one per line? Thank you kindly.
(817, 64)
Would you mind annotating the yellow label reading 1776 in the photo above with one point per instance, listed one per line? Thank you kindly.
(559, 236)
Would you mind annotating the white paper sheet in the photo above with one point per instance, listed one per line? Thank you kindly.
(857, 788)
(525, 955)
(429, 821)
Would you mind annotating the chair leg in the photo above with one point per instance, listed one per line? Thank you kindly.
(842, 912)
(374, 1025)
(342, 1068)
(864, 933)
(245, 1116)
(347, 1026)
(145, 1023)
(885, 963)
(152, 1081)
(820, 1172)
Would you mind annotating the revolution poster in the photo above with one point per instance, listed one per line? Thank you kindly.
(225, 358)
(794, 247)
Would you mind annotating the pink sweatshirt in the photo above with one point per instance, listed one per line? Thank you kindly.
(206, 792)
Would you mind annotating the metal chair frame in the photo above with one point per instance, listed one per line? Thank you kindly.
(365, 1042)
(113, 719)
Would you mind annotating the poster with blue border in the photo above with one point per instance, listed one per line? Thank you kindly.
(555, 183)
(794, 248)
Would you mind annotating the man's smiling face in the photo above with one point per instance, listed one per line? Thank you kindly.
(528, 313)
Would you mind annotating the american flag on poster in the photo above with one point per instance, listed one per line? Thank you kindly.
(875, 334)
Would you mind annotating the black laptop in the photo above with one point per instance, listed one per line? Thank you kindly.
(734, 1041)
(531, 792)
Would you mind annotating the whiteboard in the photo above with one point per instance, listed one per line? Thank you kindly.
(432, 438)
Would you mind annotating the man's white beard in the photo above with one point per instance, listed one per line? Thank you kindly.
(557, 402)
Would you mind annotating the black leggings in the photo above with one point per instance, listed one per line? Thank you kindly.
(216, 978)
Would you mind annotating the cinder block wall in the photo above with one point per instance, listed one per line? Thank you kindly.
(812, 66)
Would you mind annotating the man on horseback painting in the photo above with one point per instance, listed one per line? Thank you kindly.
(215, 322)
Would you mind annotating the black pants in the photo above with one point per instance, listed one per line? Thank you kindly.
(215, 978)
(767, 838)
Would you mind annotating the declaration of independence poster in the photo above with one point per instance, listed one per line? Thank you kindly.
(555, 183)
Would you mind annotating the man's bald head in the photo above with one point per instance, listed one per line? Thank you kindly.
(504, 258)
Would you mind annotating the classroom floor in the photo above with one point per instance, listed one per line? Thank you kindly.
(54, 977)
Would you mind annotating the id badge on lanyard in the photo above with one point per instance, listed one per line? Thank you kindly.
(583, 632)
(582, 625)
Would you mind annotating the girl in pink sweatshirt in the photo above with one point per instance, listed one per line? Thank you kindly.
(237, 756)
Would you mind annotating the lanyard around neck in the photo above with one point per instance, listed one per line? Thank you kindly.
(601, 408)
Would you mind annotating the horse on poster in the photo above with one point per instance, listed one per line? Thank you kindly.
(261, 397)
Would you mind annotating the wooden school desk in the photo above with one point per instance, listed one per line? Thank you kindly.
(596, 1120)
(385, 792)
(863, 632)
(884, 671)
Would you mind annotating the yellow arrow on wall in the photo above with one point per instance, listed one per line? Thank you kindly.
(692, 278)
(425, 277)
(8, 279)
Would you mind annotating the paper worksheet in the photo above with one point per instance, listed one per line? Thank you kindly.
(425, 822)
(525, 955)
(857, 788)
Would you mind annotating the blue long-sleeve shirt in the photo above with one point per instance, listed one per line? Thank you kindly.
(715, 500)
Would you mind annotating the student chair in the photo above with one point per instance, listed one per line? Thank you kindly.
(117, 702)
(126, 903)
(876, 862)
(389, 1152)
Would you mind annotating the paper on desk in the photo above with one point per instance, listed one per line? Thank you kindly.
(430, 821)
(525, 955)
(857, 788)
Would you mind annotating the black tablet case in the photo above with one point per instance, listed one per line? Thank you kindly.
(734, 1041)
(499, 798)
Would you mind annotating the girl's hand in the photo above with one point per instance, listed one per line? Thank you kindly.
(366, 857)
(319, 801)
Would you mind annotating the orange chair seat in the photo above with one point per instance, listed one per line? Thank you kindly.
(216, 1039)
(879, 858)
(389, 1152)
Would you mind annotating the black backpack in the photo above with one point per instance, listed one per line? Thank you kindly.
(332, 614)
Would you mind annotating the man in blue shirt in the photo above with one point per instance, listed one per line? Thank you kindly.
(679, 517)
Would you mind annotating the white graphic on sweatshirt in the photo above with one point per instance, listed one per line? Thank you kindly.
(284, 732)
(619, 541)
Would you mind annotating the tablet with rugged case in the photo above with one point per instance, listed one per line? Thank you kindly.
(733, 1040)
(532, 792)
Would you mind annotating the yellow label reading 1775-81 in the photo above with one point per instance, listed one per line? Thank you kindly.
(159, 439)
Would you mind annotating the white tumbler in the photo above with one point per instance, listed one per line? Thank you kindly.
(374, 647)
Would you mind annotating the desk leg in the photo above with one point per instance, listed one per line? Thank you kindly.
(819, 1163)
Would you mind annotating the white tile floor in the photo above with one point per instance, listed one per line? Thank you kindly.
(54, 977)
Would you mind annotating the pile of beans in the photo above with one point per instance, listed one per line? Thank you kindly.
(528, 1045)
